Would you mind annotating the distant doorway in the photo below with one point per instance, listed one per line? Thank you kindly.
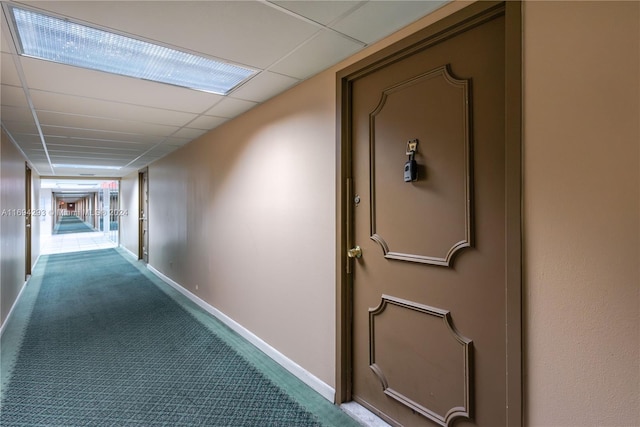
(143, 223)
(109, 212)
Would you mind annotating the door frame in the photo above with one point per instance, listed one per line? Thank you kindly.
(462, 20)
(143, 186)
(28, 218)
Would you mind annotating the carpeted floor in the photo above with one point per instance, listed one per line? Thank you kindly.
(97, 340)
(71, 224)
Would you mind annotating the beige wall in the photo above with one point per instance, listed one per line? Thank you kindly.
(581, 140)
(246, 214)
(11, 227)
(244, 217)
(12, 230)
(129, 223)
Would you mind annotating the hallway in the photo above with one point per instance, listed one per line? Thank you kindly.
(74, 365)
(241, 200)
(98, 340)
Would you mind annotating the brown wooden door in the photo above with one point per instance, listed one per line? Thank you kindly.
(429, 308)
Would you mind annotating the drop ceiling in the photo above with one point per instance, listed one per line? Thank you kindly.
(59, 114)
(73, 189)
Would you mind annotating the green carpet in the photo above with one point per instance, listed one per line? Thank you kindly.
(71, 224)
(97, 340)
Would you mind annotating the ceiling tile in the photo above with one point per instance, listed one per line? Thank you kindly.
(231, 107)
(26, 138)
(176, 142)
(264, 86)
(33, 148)
(189, 133)
(9, 75)
(108, 109)
(139, 164)
(87, 172)
(377, 19)
(70, 151)
(48, 118)
(42, 167)
(89, 159)
(207, 122)
(105, 136)
(16, 114)
(321, 52)
(6, 42)
(27, 146)
(37, 155)
(21, 130)
(38, 158)
(323, 12)
(97, 146)
(162, 149)
(13, 96)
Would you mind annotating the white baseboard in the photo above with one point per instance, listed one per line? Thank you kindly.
(131, 254)
(24, 286)
(13, 306)
(324, 389)
(33, 267)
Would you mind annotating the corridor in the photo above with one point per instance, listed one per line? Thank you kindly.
(96, 339)
(426, 208)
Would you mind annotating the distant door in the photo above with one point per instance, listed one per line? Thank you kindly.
(429, 304)
(143, 228)
(28, 220)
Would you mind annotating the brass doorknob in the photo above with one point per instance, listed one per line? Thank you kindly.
(354, 252)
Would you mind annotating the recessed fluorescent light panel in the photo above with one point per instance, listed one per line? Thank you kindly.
(59, 165)
(59, 40)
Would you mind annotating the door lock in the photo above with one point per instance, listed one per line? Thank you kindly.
(411, 167)
(355, 252)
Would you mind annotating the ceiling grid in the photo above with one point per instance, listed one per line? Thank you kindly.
(112, 125)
